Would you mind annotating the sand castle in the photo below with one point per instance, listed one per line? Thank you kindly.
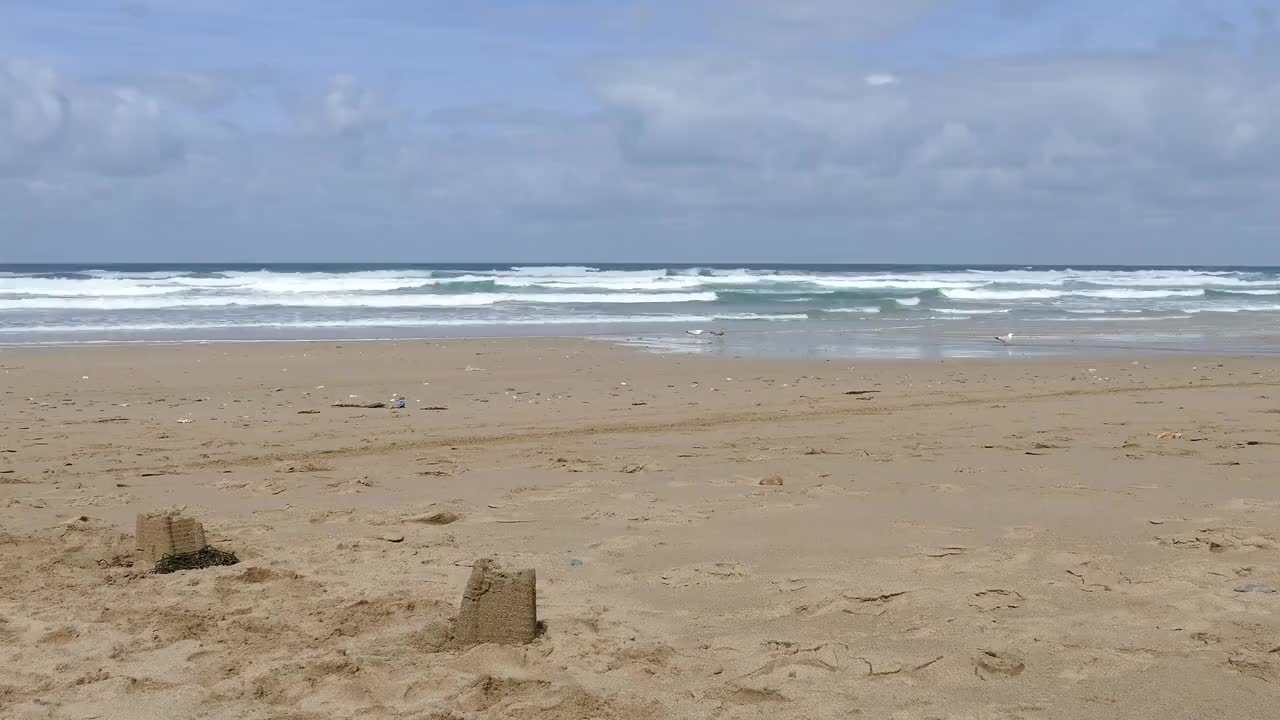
(161, 534)
(498, 606)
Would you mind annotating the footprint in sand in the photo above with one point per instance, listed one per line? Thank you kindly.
(1256, 661)
(1222, 539)
(998, 664)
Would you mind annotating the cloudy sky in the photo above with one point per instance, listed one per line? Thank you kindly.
(1021, 131)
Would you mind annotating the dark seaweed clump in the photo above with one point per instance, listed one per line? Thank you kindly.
(198, 560)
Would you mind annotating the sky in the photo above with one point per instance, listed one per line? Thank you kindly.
(932, 131)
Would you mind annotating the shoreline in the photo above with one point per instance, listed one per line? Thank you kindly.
(795, 340)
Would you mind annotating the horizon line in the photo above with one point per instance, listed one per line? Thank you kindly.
(660, 263)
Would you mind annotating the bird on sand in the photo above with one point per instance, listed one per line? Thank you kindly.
(1006, 340)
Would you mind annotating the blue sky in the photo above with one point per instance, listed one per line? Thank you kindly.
(703, 130)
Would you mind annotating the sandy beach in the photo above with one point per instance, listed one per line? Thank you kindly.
(713, 537)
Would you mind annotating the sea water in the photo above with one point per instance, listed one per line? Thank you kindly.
(840, 310)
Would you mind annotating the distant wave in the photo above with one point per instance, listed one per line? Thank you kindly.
(404, 323)
(971, 311)
(350, 301)
(1002, 294)
(1127, 294)
(1228, 293)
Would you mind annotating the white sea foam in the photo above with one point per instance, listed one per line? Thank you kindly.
(1114, 318)
(1002, 294)
(1233, 308)
(1130, 294)
(349, 301)
(601, 283)
(401, 322)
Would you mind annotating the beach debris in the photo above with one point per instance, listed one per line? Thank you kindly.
(498, 606)
(1167, 435)
(366, 406)
(773, 480)
(879, 667)
(305, 467)
(433, 407)
(997, 599)
(184, 421)
(860, 392)
(442, 517)
(204, 558)
(874, 597)
(392, 537)
(308, 412)
(995, 663)
(575, 562)
(1254, 587)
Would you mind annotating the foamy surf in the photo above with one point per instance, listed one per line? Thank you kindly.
(90, 301)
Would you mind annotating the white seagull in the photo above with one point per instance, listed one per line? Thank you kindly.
(1006, 340)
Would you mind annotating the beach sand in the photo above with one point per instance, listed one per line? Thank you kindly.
(973, 540)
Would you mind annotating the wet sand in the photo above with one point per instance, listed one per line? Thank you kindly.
(970, 539)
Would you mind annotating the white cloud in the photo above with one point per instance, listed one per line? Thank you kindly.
(880, 79)
(33, 113)
(345, 108)
(49, 124)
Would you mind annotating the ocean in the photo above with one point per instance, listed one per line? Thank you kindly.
(838, 310)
